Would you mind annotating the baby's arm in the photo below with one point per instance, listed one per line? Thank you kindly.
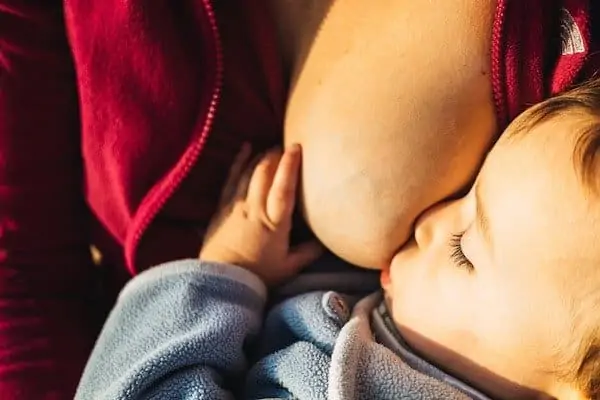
(177, 331)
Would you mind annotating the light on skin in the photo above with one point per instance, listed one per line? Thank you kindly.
(387, 127)
(531, 234)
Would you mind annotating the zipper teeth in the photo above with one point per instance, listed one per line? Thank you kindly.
(197, 146)
(497, 57)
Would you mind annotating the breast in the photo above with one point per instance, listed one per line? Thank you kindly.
(393, 106)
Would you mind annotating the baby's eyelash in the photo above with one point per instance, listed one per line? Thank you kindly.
(456, 254)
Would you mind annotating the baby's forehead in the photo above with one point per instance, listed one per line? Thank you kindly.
(549, 171)
(567, 142)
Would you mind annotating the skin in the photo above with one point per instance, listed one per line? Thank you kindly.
(392, 104)
(252, 228)
(515, 317)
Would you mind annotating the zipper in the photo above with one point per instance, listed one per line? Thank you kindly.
(498, 72)
(197, 146)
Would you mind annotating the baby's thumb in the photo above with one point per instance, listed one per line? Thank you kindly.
(302, 255)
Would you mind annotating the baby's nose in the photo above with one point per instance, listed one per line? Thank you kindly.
(424, 228)
(441, 220)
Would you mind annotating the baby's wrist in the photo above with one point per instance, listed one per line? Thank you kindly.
(230, 258)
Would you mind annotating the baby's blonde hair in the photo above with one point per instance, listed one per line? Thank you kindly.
(584, 100)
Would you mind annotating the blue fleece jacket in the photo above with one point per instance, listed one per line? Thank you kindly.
(196, 330)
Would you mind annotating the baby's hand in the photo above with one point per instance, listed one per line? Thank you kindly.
(252, 228)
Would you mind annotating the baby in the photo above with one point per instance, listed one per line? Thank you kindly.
(496, 296)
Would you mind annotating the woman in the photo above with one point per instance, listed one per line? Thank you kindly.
(119, 133)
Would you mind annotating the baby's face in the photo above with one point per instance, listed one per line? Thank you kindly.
(529, 234)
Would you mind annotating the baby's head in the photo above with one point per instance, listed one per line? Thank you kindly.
(502, 287)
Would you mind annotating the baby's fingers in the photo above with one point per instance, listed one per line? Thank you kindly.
(261, 180)
(282, 195)
(303, 255)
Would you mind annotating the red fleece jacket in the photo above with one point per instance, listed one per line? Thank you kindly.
(112, 131)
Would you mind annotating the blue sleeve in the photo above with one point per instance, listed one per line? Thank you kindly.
(178, 331)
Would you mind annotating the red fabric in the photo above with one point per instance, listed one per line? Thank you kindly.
(166, 95)
(527, 40)
(45, 269)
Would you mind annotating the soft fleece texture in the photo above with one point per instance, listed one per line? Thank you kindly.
(183, 331)
(130, 98)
